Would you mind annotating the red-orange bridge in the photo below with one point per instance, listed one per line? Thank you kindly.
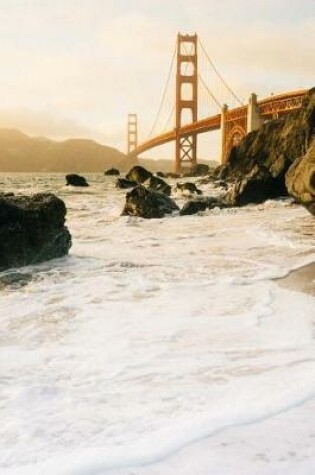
(234, 123)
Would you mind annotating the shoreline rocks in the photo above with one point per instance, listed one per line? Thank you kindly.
(32, 230)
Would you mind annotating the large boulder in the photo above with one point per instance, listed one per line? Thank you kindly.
(138, 174)
(32, 230)
(124, 183)
(157, 184)
(112, 172)
(76, 180)
(300, 179)
(148, 204)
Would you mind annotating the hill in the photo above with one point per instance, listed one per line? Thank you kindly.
(21, 153)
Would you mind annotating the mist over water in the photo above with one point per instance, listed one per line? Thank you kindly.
(152, 335)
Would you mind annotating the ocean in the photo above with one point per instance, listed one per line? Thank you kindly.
(159, 346)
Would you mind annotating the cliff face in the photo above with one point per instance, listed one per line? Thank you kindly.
(21, 153)
(260, 163)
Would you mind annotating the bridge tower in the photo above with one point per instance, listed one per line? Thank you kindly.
(132, 139)
(187, 73)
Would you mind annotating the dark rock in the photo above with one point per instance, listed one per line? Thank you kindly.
(138, 174)
(76, 180)
(300, 179)
(196, 206)
(112, 172)
(148, 204)
(157, 184)
(255, 187)
(124, 183)
(32, 230)
(160, 174)
(188, 187)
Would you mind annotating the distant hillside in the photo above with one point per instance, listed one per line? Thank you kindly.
(21, 153)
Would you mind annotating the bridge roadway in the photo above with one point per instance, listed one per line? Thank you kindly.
(268, 108)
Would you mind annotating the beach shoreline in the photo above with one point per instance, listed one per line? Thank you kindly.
(301, 280)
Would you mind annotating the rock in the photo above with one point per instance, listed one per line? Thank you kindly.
(258, 166)
(112, 172)
(196, 206)
(138, 174)
(76, 180)
(199, 170)
(300, 179)
(188, 188)
(255, 187)
(160, 174)
(32, 230)
(124, 183)
(157, 184)
(148, 204)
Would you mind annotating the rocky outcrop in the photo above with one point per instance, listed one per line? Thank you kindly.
(258, 166)
(32, 230)
(157, 184)
(300, 179)
(76, 180)
(188, 188)
(138, 174)
(148, 204)
(112, 172)
(124, 183)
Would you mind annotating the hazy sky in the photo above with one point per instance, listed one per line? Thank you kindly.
(77, 67)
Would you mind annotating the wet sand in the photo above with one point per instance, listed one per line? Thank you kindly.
(302, 280)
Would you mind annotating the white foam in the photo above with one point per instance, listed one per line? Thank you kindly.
(152, 337)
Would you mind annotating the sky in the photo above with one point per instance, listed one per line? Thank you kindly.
(76, 68)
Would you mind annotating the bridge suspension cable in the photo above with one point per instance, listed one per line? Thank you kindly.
(164, 93)
(218, 74)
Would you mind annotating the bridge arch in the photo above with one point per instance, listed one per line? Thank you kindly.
(234, 137)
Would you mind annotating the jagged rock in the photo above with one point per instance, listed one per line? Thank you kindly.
(76, 180)
(124, 183)
(112, 172)
(157, 184)
(300, 179)
(196, 206)
(188, 188)
(148, 204)
(160, 174)
(32, 230)
(259, 164)
(138, 174)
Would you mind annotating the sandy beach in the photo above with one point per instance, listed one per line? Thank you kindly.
(302, 280)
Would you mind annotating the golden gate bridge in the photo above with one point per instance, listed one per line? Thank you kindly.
(201, 105)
